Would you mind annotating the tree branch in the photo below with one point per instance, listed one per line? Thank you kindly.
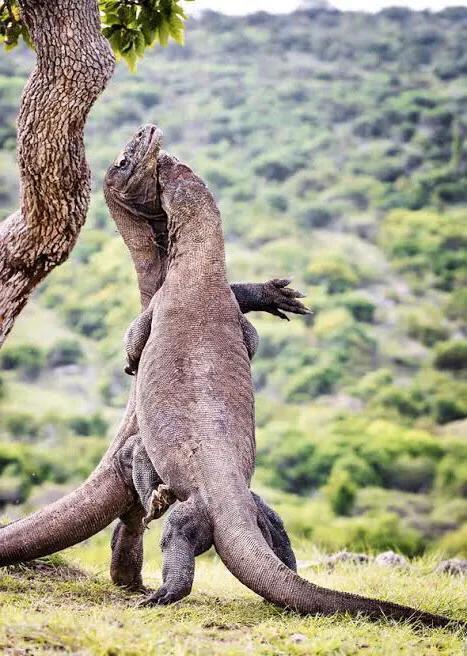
(74, 63)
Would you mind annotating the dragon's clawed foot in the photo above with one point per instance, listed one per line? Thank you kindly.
(162, 597)
(161, 499)
(279, 296)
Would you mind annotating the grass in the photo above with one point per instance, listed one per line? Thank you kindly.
(58, 610)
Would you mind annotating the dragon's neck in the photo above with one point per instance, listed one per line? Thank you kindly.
(149, 254)
(196, 250)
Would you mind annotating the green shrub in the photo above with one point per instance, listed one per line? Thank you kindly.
(372, 383)
(410, 474)
(316, 216)
(28, 359)
(456, 306)
(451, 476)
(21, 425)
(332, 323)
(425, 243)
(384, 532)
(89, 322)
(361, 307)
(447, 409)
(340, 491)
(330, 270)
(278, 202)
(451, 355)
(93, 425)
(405, 400)
(278, 168)
(425, 324)
(65, 352)
(311, 382)
(360, 471)
(454, 543)
(287, 465)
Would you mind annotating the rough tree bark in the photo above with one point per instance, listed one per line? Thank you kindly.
(74, 63)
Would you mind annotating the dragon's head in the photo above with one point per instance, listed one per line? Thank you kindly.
(131, 180)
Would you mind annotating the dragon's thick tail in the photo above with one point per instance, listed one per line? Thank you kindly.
(244, 551)
(73, 518)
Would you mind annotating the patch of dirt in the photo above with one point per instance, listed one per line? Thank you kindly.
(51, 568)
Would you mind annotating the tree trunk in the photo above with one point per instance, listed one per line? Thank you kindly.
(74, 63)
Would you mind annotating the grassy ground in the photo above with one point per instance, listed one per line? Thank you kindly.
(63, 610)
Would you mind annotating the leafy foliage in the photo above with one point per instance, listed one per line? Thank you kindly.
(131, 26)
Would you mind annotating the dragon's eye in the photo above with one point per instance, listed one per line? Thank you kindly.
(122, 162)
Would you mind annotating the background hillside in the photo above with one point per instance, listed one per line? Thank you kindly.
(335, 144)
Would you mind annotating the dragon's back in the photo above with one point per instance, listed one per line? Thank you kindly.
(195, 379)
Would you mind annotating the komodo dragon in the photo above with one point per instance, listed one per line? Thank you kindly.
(107, 494)
(195, 411)
(131, 191)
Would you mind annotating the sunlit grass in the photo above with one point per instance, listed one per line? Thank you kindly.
(49, 613)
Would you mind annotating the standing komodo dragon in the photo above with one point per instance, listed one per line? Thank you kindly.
(109, 492)
(195, 411)
(131, 191)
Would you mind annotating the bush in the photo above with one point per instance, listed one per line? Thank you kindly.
(332, 271)
(372, 383)
(311, 382)
(278, 202)
(451, 355)
(425, 324)
(316, 216)
(21, 425)
(446, 410)
(361, 308)
(330, 323)
(65, 352)
(93, 425)
(455, 543)
(361, 473)
(287, 465)
(425, 243)
(456, 306)
(340, 491)
(383, 532)
(405, 400)
(451, 476)
(278, 168)
(410, 474)
(28, 359)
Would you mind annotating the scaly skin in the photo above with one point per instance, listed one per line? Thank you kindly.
(154, 496)
(107, 494)
(195, 409)
(131, 191)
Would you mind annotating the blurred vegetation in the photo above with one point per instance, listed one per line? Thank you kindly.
(335, 144)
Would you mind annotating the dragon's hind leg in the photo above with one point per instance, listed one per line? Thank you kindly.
(127, 550)
(187, 534)
(273, 530)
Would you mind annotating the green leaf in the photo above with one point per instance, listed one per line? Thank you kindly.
(140, 44)
(131, 58)
(116, 43)
(164, 32)
(176, 29)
